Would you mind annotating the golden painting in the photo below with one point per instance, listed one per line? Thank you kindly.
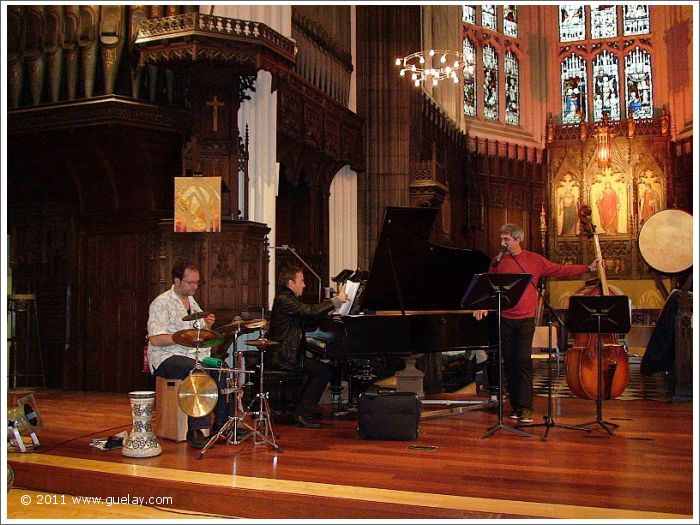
(650, 196)
(197, 204)
(610, 204)
(568, 199)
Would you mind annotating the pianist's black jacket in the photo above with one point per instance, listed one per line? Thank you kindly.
(288, 321)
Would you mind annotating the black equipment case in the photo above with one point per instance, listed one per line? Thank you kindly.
(388, 415)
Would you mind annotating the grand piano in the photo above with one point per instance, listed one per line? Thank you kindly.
(410, 302)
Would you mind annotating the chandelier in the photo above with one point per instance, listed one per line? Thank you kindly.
(432, 66)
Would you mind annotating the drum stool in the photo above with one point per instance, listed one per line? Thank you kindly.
(284, 387)
(170, 421)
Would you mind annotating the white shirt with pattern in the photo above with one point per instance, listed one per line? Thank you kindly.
(165, 317)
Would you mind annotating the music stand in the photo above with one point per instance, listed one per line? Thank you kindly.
(549, 419)
(604, 314)
(495, 291)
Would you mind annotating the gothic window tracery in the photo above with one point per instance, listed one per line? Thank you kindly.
(490, 87)
(638, 83)
(572, 22)
(469, 51)
(490, 83)
(469, 14)
(510, 20)
(573, 82)
(488, 16)
(606, 86)
(621, 82)
(512, 89)
(603, 21)
(636, 19)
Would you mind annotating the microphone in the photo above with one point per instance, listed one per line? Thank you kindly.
(283, 247)
(500, 255)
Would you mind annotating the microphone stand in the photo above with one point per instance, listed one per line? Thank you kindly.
(302, 261)
(548, 419)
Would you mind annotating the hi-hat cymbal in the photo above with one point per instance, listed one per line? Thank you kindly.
(197, 394)
(194, 316)
(203, 338)
(261, 342)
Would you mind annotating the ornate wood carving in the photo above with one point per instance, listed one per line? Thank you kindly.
(246, 45)
(313, 120)
(233, 265)
(683, 363)
(640, 165)
(101, 110)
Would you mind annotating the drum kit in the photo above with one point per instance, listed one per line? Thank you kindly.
(198, 393)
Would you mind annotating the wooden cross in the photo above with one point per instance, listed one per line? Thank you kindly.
(214, 104)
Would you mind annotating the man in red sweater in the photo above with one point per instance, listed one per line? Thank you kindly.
(518, 322)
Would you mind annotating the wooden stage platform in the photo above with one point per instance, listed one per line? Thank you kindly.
(644, 471)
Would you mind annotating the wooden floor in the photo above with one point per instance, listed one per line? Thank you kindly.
(644, 471)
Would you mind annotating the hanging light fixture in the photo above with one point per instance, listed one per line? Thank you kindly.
(603, 138)
(432, 66)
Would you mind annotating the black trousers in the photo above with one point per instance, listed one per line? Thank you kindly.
(179, 367)
(317, 377)
(516, 347)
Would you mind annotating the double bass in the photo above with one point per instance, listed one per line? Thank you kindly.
(582, 358)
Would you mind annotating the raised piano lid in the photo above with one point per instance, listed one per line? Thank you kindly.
(430, 276)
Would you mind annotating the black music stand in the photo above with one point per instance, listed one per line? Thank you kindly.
(604, 314)
(549, 419)
(495, 291)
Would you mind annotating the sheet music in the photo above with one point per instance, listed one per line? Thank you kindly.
(351, 288)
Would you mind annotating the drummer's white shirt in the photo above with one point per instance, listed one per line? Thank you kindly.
(165, 317)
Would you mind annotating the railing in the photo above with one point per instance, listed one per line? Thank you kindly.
(156, 29)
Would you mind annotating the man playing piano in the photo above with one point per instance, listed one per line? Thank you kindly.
(518, 322)
(288, 321)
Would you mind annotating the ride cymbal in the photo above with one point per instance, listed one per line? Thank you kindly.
(203, 338)
(194, 316)
(197, 394)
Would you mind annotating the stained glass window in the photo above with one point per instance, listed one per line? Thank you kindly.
(638, 92)
(510, 20)
(606, 87)
(636, 19)
(469, 14)
(572, 22)
(490, 83)
(603, 21)
(512, 89)
(488, 16)
(573, 88)
(469, 52)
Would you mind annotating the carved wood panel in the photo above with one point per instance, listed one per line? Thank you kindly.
(112, 319)
(233, 265)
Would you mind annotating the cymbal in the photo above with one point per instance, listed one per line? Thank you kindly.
(194, 316)
(233, 326)
(197, 394)
(206, 338)
(261, 342)
(254, 324)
